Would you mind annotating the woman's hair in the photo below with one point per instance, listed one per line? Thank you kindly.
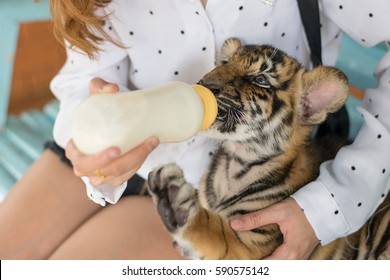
(78, 23)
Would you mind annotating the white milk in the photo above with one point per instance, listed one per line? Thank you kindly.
(173, 112)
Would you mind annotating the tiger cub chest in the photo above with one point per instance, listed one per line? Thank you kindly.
(230, 180)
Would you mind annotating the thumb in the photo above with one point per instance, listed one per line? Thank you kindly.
(98, 85)
(252, 220)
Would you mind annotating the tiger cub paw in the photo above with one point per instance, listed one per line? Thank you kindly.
(176, 199)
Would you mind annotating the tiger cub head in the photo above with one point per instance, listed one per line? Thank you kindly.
(265, 95)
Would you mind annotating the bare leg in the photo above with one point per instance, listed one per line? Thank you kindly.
(42, 210)
(131, 229)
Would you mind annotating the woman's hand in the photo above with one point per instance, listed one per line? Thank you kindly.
(108, 166)
(299, 237)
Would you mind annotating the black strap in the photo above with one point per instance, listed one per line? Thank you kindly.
(310, 15)
(336, 124)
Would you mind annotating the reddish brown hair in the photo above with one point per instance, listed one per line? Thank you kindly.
(78, 23)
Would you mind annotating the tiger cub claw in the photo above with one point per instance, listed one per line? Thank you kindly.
(175, 198)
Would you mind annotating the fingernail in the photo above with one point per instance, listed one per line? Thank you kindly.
(236, 223)
(106, 87)
(154, 142)
(114, 153)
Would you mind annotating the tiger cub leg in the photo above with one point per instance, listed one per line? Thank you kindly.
(199, 233)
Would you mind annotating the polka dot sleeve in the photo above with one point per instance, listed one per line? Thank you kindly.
(351, 187)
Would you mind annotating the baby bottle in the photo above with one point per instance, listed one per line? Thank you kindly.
(173, 112)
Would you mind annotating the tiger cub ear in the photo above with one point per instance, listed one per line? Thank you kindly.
(325, 90)
(228, 48)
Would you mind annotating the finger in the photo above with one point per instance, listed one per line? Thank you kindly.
(281, 253)
(255, 219)
(98, 85)
(126, 166)
(84, 164)
(111, 180)
(132, 160)
(278, 254)
(292, 251)
(138, 155)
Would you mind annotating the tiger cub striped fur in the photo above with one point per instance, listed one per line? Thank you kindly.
(268, 105)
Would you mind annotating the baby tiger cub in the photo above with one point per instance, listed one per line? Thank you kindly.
(268, 105)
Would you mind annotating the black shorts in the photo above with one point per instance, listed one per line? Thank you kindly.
(135, 185)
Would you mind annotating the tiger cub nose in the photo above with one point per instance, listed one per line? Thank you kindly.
(211, 84)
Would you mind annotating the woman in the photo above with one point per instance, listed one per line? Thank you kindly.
(120, 45)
